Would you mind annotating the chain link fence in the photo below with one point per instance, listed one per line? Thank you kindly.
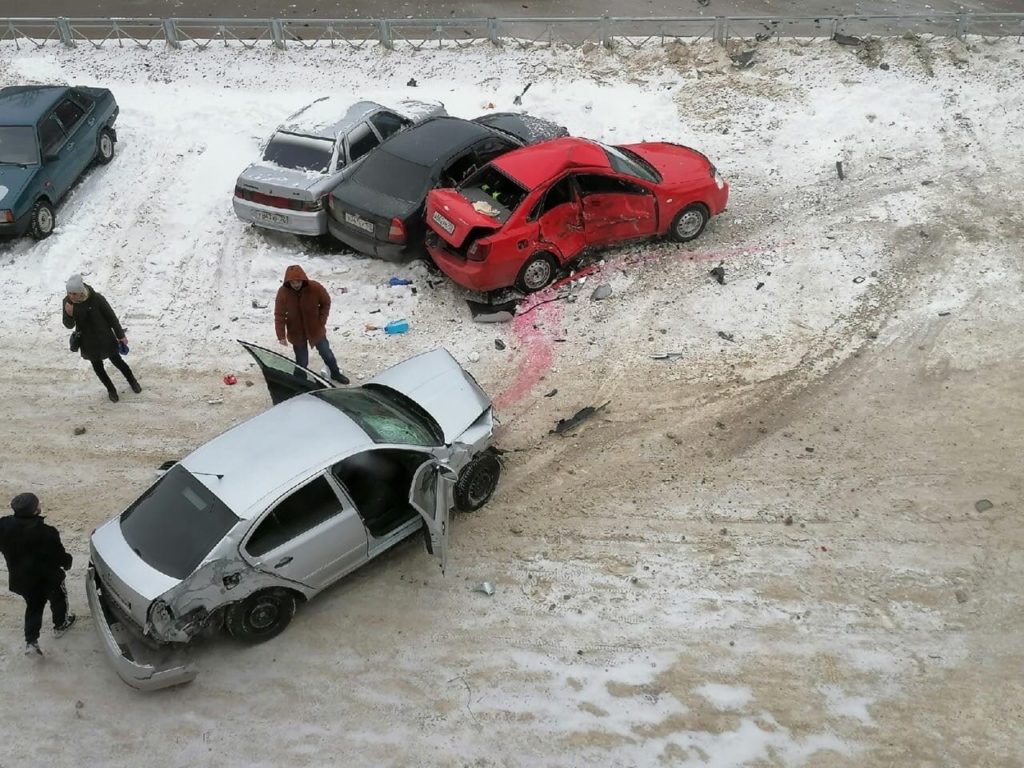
(453, 33)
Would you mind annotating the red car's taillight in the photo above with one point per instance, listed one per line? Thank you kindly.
(396, 233)
(478, 251)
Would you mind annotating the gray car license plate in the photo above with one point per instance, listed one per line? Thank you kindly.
(273, 218)
(359, 222)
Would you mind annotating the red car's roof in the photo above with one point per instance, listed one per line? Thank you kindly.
(532, 166)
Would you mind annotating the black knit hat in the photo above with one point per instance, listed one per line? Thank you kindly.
(25, 505)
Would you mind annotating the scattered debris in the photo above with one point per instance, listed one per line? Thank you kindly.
(759, 286)
(474, 357)
(79, 430)
(399, 281)
(215, 401)
(788, 520)
(519, 99)
(485, 587)
(927, 182)
(884, 66)
(724, 531)
(248, 383)
(603, 291)
(230, 379)
(726, 336)
(564, 425)
(961, 596)
(515, 530)
(412, 82)
(257, 304)
(499, 344)
(718, 273)
(808, 449)
(842, 39)
(872, 335)
(552, 393)
(983, 505)
(944, 314)
(371, 327)
(859, 279)
(666, 355)
(743, 59)
(674, 438)
(396, 326)
(839, 169)
(492, 313)
(704, 3)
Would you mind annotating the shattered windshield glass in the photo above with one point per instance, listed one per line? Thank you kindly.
(385, 415)
(18, 145)
(176, 523)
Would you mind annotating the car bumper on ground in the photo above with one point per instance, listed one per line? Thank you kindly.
(474, 275)
(312, 223)
(366, 243)
(118, 645)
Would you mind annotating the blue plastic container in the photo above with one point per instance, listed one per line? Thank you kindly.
(399, 281)
(396, 327)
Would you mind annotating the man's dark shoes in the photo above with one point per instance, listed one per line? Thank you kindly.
(136, 387)
(69, 622)
(339, 377)
(32, 649)
(112, 394)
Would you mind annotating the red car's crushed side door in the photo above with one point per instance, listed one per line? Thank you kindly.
(615, 210)
(561, 228)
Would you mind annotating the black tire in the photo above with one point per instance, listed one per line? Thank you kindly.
(477, 482)
(105, 146)
(538, 272)
(689, 223)
(42, 220)
(260, 616)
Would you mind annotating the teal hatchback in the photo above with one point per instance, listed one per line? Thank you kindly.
(49, 136)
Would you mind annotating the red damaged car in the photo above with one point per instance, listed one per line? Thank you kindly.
(519, 218)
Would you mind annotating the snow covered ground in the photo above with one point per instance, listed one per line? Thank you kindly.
(764, 551)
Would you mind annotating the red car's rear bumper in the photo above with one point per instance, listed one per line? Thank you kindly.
(479, 276)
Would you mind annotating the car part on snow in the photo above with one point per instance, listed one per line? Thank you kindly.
(484, 587)
(718, 273)
(518, 100)
(602, 292)
(743, 59)
(491, 313)
(672, 356)
(850, 40)
(839, 169)
(726, 336)
(564, 425)
(499, 345)
(230, 379)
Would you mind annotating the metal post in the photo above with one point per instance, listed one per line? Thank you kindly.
(385, 34)
(67, 36)
(277, 33)
(170, 33)
(721, 29)
(963, 23)
(607, 39)
(835, 29)
(492, 32)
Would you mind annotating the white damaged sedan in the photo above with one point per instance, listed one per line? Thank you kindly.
(271, 512)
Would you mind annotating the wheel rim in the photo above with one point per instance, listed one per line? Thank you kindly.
(106, 146)
(480, 488)
(263, 616)
(537, 274)
(44, 219)
(689, 223)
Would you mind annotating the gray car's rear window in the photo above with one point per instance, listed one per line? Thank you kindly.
(300, 153)
(176, 523)
(394, 176)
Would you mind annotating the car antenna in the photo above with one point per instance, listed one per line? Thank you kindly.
(211, 474)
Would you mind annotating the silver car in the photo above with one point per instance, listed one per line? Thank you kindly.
(310, 153)
(278, 508)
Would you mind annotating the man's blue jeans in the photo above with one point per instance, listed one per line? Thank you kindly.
(324, 348)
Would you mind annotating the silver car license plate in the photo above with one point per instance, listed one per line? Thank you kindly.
(359, 222)
(273, 218)
(443, 223)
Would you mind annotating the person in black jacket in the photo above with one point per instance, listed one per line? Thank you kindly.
(36, 561)
(100, 332)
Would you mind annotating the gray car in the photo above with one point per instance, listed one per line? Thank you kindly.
(310, 153)
(278, 508)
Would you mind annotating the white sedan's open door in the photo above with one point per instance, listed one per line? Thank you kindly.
(432, 495)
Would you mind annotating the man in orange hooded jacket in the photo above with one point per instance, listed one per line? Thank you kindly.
(300, 318)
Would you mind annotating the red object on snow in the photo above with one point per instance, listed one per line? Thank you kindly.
(533, 210)
(230, 379)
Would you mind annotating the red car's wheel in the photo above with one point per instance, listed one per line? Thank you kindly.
(689, 222)
(538, 272)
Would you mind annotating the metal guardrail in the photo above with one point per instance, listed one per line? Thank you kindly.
(523, 32)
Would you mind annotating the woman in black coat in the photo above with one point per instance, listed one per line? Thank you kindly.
(99, 332)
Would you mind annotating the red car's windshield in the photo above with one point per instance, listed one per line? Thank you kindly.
(630, 163)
